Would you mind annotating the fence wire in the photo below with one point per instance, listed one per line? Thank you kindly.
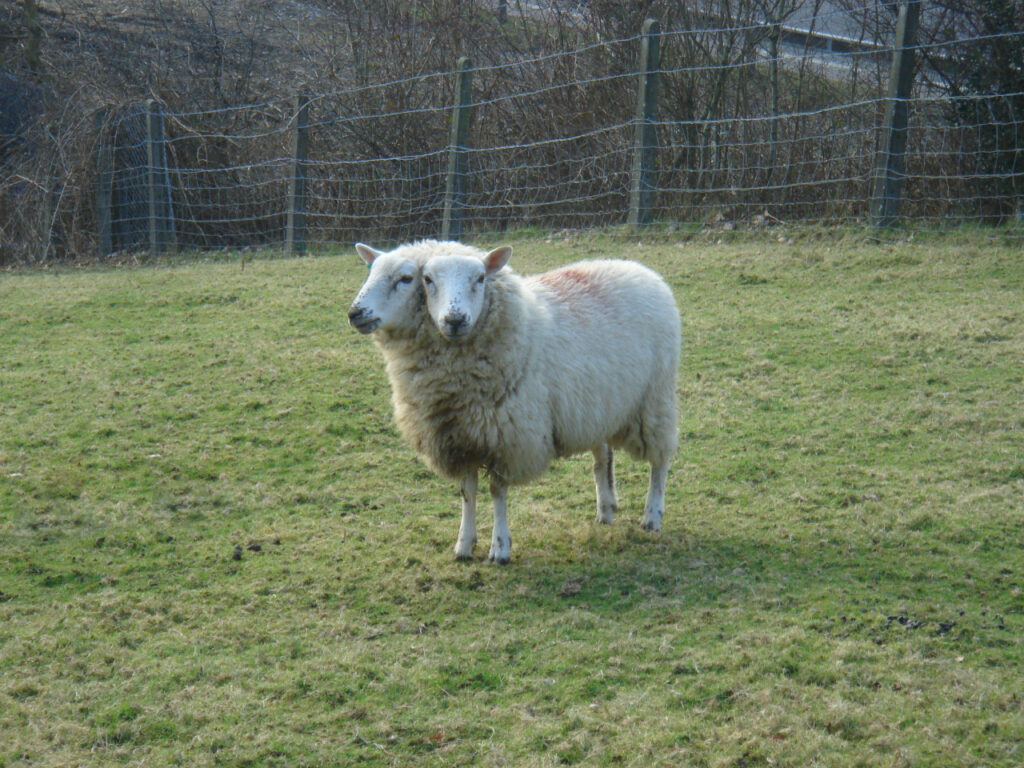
(750, 129)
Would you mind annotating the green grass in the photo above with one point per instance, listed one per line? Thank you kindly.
(215, 549)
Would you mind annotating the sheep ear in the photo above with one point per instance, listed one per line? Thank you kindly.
(367, 253)
(497, 259)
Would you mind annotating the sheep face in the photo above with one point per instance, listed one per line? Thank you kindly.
(456, 289)
(391, 295)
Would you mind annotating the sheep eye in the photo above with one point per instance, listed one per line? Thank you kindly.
(427, 279)
(480, 280)
(405, 279)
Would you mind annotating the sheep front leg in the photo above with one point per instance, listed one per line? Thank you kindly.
(604, 479)
(467, 528)
(501, 539)
(655, 507)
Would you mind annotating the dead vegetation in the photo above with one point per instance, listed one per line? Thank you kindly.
(552, 129)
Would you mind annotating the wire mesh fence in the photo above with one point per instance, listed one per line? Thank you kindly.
(754, 125)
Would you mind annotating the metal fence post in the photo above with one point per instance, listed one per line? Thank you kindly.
(295, 231)
(641, 175)
(157, 180)
(104, 187)
(891, 160)
(455, 187)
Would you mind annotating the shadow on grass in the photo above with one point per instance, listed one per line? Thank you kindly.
(854, 587)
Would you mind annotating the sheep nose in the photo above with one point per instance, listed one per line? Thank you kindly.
(362, 319)
(455, 323)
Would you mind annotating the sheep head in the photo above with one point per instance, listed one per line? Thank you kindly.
(391, 295)
(456, 289)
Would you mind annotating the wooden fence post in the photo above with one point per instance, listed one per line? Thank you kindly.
(295, 232)
(157, 181)
(34, 33)
(104, 187)
(641, 175)
(455, 187)
(889, 168)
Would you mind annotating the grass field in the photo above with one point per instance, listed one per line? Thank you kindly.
(215, 549)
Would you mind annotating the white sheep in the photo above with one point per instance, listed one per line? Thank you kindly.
(506, 373)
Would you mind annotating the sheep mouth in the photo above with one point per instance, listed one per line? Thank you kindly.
(455, 327)
(367, 325)
(455, 334)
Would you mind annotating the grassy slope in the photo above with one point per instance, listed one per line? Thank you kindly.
(215, 550)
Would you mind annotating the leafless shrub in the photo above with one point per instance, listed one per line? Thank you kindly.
(747, 122)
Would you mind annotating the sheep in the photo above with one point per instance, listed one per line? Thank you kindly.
(504, 373)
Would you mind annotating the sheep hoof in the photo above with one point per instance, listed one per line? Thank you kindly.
(464, 549)
(606, 515)
(501, 552)
(651, 523)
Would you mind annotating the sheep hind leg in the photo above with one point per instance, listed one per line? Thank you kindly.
(467, 528)
(655, 507)
(604, 479)
(501, 539)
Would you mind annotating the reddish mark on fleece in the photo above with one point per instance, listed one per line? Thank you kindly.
(571, 285)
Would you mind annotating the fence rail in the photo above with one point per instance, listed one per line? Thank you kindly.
(645, 129)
